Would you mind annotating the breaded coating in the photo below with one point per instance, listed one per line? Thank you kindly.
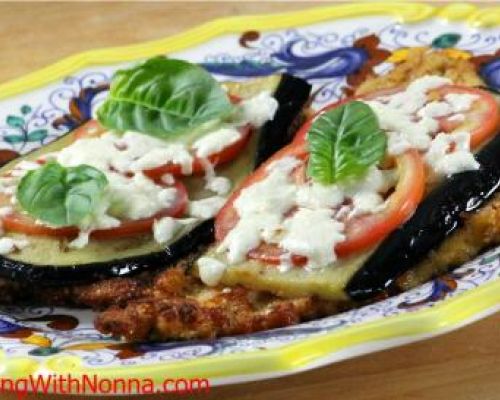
(420, 61)
(179, 306)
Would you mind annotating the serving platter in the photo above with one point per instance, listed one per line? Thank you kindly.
(332, 47)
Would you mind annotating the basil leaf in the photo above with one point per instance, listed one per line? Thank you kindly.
(344, 143)
(163, 97)
(61, 196)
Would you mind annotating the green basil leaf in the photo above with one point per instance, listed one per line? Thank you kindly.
(344, 142)
(163, 97)
(61, 196)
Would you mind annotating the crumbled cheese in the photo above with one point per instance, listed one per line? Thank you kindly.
(8, 245)
(409, 101)
(4, 211)
(219, 185)
(460, 102)
(435, 109)
(168, 179)
(130, 152)
(81, 240)
(210, 270)
(259, 109)
(410, 122)
(402, 131)
(206, 208)
(164, 229)
(216, 141)
(313, 195)
(313, 234)
(137, 197)
(313, 228)
(365, 192)
(446, 162)
(174, 153)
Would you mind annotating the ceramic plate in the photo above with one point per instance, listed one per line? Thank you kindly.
(331, 47)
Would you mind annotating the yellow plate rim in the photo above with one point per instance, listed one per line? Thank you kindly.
(445, 315)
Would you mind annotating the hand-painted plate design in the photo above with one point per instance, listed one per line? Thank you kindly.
(334, 48)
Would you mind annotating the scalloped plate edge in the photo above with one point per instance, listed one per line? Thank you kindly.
(404, 12)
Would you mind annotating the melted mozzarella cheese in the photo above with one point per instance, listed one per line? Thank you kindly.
(410, 123)
(206, 208)
(445, 162)
(9, 245)
(210, 270)
(460, 102)
(216, 141)
(165, 229)
(313, 234)
(314, 226)
(259, 109)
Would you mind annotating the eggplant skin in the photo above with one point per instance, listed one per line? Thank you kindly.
(440, 215)
(292, 95)
(49, 275)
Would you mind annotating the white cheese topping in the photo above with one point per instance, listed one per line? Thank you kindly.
(460, 102)
(216, 141)
(410, 122)
(4, 211)
(313, 234)
(259, 109)
(132, 195)
(81, 240)
(302, 219)
(8, 245)
(219, 184)
(206, 208)
(210, 270)
(447, 162)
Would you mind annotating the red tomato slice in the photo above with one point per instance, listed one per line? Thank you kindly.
(93, 129)
(365, 231)
(227, 217)
(225, 155)
(362, 232)
(19, 222)
(481, 120)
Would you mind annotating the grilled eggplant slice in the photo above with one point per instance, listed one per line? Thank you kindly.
(440, 215)
(47, 261)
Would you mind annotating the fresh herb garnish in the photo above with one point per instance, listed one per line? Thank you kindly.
(344, 142)
(163, 97)
(61, 196)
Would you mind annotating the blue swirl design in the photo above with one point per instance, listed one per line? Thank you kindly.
(8, 327)
(328, 64)
(490, 72)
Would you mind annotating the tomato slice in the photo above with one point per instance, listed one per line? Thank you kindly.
(225, 155)
(227, 217)
(362, 232)
(481, 120)
(19, 222)
(365, 231)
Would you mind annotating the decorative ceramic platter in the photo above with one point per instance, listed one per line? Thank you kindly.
(331, 47)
